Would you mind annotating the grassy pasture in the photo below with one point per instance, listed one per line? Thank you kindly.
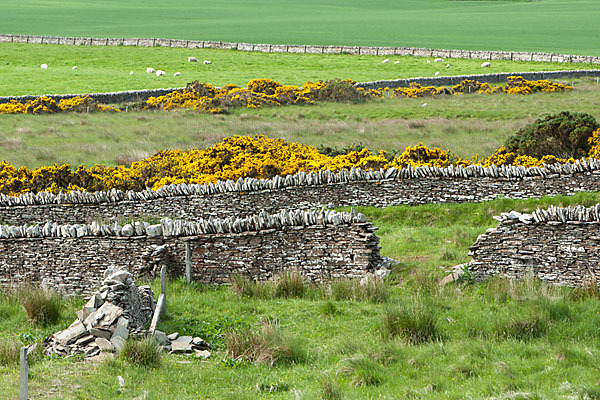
(466, 125)
(561, 26)
(104, 69)
(481, 350)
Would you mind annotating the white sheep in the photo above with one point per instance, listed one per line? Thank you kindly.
(428, 62)
(74, 67)
(150, 70)
(192, 59)
(438, 60)
(437, 73)
(447, 65)
(130, 72)
(44, 66)
(177, 74)
(486, 65)
(207, 62)
(424, 105)
(396, 62)
(160, 72)
(387, 60)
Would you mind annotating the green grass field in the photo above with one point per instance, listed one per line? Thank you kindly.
(104, 69)
(479, 351)
(561, 26)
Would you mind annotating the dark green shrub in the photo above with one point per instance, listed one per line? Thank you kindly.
(563, 135)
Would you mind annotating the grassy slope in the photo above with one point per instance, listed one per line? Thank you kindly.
(104, 69)
(552, 25)
(472, 359)
(466, 125)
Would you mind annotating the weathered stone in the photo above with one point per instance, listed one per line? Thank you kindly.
(101, 332)
(118, 342)
(121, 331)
(181, 347)
(173, 336)
(71, 334)
(204, 354)
(161, 337)
(85, 340)
(104, 345)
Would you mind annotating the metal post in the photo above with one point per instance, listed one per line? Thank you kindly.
(163, 286)
(188, 262)
(23, 393)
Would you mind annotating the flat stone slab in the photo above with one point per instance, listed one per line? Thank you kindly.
(101, 333)
(173, 336)
(71, 334)
(183, 340)
(204, 354)
(121, 332)
(181, 347)
(104, 345)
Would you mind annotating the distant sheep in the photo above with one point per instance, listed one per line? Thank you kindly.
(386, 61)
(486, 65)
(447, 65)
(130, 72)
(207, 62)
(177, 74)
(150, 70)
(192, 59)
(74, 67)
(428, 62)
(396, 62)
(438, 60)
(44, 66)
(437, 73)
(160, 73)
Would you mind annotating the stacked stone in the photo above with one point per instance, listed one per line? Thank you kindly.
(558, 245)
(169, 227)
(322, 177)
(107, 319)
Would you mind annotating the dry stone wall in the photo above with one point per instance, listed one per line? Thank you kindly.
(308, 49)
(72, 258)
(557, 245)
(355, 187)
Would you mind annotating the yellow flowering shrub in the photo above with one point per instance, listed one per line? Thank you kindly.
(240, 157)
(47, 105)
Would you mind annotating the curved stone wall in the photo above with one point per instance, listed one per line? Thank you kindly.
(557, 245)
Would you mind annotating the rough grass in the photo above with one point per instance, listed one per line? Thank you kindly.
(143, 352)
(551, 25)
(42, 305)
(466, 125)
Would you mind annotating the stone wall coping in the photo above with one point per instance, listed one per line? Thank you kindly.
(319, 178)
(179, 228)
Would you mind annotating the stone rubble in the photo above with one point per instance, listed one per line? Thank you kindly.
(118, 311)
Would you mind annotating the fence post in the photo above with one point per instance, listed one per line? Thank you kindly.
(188, 262)
(23, 392)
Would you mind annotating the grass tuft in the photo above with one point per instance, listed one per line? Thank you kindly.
(42, 305)
(330, 389)
(373, 290)
(143, 352)
(268, 346)
(290, 285)
(416, 322)
(9, 352)
(523, 329)
(364, 371)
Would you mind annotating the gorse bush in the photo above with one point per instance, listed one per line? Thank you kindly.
(268, 346)
(565, 135)
(415, 322)
(143, 352)
(42, 305)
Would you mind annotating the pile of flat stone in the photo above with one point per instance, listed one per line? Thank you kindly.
(107, 319)
(176, 344)
(119, 310)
